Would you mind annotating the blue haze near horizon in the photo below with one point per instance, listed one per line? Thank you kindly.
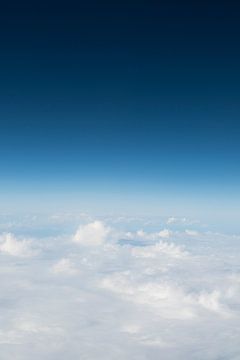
(121, 108)
(119, 180)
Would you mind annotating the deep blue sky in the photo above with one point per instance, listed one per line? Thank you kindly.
(138, 99)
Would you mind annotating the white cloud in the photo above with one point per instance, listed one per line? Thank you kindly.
(151, 236)
(211, 301)
(92, 234)
(65, 267)
(166, 301)
(157, 294)
(10, 245)
(192, 232)
(181, 221)
(172, 220)
(159, 249)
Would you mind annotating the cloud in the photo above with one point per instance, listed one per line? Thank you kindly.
(159, 294)
(65, 267)
(211, 301)
(92, 234)
(151, 236)
(10, 245)
(172, 220)
(168, 302)
(180, 221)
(160, 249)
(191, 232)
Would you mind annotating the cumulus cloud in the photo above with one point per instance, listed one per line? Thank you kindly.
(151, 236)
(10, 245)
(92, 234)
(160, 249)
(159, 294)
(181, 221)
(168, 302)
(212, 302)
(192, 232)
(64, 267)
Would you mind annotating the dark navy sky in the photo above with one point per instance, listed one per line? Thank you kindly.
(138, 98)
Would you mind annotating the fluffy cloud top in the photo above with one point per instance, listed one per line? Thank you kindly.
(151, 236)
(64, 267)
(10, 245)
(160, 249)
(181, 221)
(160, 294)
(92, 234)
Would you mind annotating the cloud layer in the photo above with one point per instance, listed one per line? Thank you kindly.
(106, 291)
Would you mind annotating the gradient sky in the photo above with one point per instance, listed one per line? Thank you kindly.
(121, 106)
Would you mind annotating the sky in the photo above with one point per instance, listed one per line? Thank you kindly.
(119, 180)
(120, 107)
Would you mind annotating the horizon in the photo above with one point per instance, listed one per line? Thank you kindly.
(120, 180)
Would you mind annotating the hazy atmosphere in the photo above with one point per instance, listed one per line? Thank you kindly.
(119, 180)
